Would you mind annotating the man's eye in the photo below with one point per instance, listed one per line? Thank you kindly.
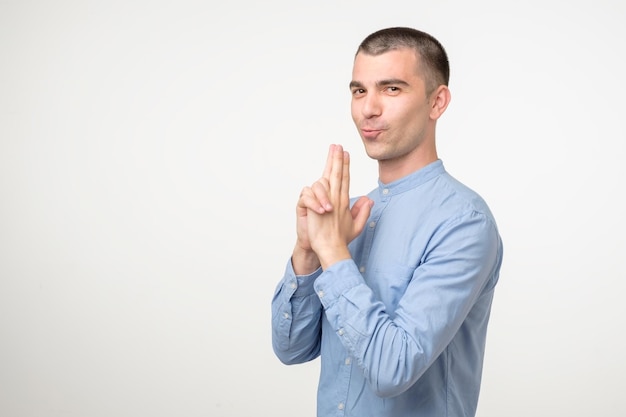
(392, 89)
(358, 91)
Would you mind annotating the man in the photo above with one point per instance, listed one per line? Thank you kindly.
(392, 290)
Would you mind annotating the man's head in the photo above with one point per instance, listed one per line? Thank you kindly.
(432, 58)
(399, 91)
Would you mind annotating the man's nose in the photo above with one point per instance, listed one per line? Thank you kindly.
(372, 105)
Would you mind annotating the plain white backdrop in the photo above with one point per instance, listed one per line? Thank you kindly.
(152, 152)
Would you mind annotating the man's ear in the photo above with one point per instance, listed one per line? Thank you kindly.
(439, 99)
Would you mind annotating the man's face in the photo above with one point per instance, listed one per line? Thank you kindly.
(389, 105)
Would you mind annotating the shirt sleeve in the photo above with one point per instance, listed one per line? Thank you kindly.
(296, 318)
(393, 349)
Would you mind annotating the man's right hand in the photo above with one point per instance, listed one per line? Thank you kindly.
(317, 198)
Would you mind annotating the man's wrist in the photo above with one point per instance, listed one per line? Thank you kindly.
(304, 261)
(331, 256)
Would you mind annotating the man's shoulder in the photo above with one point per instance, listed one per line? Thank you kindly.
(449, 192)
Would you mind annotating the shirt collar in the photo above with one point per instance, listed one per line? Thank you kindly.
(412, 180)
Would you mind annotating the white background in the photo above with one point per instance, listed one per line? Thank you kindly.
(151, 154)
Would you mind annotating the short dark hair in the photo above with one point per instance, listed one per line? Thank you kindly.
(433, 59)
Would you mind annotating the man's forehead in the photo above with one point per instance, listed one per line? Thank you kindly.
(388, 64)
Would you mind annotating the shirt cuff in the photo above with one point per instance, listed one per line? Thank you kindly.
(336, 281)
(302, 284)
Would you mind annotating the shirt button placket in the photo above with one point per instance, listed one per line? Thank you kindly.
(343, 391)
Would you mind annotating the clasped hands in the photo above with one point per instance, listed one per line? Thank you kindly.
(325, 221)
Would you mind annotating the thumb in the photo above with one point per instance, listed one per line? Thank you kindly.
(360, 212)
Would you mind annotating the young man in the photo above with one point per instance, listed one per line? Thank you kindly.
(392, 290)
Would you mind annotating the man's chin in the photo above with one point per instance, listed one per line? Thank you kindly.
(374, 152)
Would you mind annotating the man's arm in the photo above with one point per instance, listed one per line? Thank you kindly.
(296, 309)
(296, 315)
(451, 288)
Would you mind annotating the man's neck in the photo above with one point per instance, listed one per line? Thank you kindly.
(392, 170)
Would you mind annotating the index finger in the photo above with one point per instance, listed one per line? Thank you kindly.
(336, 173)
(329, 162)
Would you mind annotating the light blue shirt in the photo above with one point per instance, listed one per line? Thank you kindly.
(401, 326)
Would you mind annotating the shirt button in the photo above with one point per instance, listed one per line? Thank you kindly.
(340, 406)
(362, 269)
(286, 315)
(372, 225)
(348, 361)
(340, 332)
(320, 293)
(386, 191)
(293, 285)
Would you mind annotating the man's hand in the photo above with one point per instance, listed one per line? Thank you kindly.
(330, 222)
(315, 197)
(317, 200)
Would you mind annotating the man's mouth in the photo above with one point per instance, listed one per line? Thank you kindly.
(370, 133)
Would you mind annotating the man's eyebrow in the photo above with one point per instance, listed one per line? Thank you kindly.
(381, 83)
(391, 81)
